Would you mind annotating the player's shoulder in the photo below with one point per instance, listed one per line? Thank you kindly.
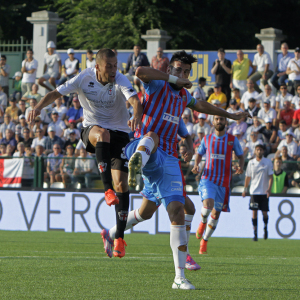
(122, 79)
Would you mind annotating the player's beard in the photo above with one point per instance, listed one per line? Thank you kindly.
(175, 87)
(220, 127)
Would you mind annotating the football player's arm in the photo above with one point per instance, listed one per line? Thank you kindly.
(247, 182)
(270, 185)
(136, 121)
(240, 168)
(207, 108)
(198, 159)
(189, 145)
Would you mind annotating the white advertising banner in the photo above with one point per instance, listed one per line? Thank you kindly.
(88, 212)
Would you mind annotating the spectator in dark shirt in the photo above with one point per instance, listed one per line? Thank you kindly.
(222, 69)
(75, 113)
(72, 140)
(27, 140)
(252, 110)
(269, 135)
(9, 139)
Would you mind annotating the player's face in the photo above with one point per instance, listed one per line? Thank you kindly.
(219, 123)
(180, 69)
(259, 152)
(107, 69)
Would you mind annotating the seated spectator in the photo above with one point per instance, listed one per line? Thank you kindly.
(37, 125)
(9, 150)
(85, 170)
(266, 95)
(284, 95)
(236, 95)
(296, 119)
(201, 124)
(291, 145)
(199, 137)
(293, 70)
(33, 94)
(252, 110)
(160, 62)
(218, 95)
(40, 139)
(72, 140)
(67, 166)
(32, 103)
(53, 162)
(2, 149)
(39, 151)
(280, 178)
(210, 118)
(233, 108)
(282, 131)
(22, 107)
(27, 140)
(239, 134)
(58, 125)
(20, 150)
(3, 98)
(296, 98)
(286, 113)
(71, 67)
(8, 124)
(188, 125)
(72, 126)
(267, 111)
(60, 109)
(21, 126)
(74, 113)
(269, 135)
(9, 139)
(17, 85)
(13, 110)
(210, 91)
(199, 93)
(250, 93)
(52, 139)
(250, 146)
(79, 146)
(239, 125)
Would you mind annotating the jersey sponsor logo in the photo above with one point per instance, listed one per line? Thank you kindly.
(230, 143)
(102, 167)
(170, 118)
(93, 93)
(176, 186)
(91, 84)
(218, 156)
(218, 205)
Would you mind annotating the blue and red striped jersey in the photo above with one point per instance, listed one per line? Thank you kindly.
(218, 152)
(163, 107)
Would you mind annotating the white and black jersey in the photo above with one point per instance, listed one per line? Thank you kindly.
(103, 105)
(71, 65)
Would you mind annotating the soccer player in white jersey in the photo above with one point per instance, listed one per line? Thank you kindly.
(102, 92)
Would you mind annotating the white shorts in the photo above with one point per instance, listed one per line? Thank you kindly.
(50, 74)
(241, 85)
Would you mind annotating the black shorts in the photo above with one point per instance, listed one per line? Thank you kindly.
(259, 202)
(118, 141)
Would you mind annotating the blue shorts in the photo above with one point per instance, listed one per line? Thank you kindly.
(219, 194)
(163, 179)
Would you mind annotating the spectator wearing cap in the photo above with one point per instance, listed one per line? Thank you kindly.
(250, 93)
(21, 126)
(283, 59)
(188, 125)
(72, 140)
(4, 75)
(262, 67)
(54, 161)
(222, 69)
(9, 139)
(74, 113)
(199, 93)
(57, 124)
(250, 146)
(283, 95)
(240, 70)
(17, 85)
(296, 98)
(233, 108)
(3, 98)
(60, 109)
(52, 68)
(293, 70)
(29, 68)
(71, 67)
(239, 124)
(267, 111)
(52, 139)
(7, 124)
(40, 139)
(32, 94)
(90, 62)
(269, 136)
(255, 127)
(201, 124)
(72, 126)
(199, 137)
(218, 95)
(286, 113)
(289, 143)
(266, 95)
(252, 110)
(13, 110)
(160, 62)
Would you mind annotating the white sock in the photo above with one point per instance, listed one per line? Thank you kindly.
(204, 214)
(210, 227)
(177, 239)
(132, 219)
(145, 147)
(188, 220)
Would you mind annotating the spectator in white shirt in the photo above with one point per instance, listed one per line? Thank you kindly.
(3, 98)
(199, 93)
(39, 140)
(266, 95)
(250, 146)
(255, 127)
(262, 67)
(282, 131)
(201, 124)
(60, 109)
(90, 62)
(58, 125)
(71, 67)
(284, 95)
(29, 68)
(239, 134)
(293, 70)
(233, 108)
(267, 111)
(251, 93)
(43, 115)
(291, 145)
(188, 125)
(296, 98)
(8, 124)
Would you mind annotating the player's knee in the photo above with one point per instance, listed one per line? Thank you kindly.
(189, 207)
(154, 137)
(102, 136)
(41, 80)
(146, 215)
(182, 248)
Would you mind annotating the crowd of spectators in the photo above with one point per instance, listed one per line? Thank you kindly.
(55, 134)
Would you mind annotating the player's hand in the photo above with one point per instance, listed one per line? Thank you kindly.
(195, 169)
(239, 171)
(187, 157)
(268, 193)
(136, 123)
(183, 82)
(240, 115)
(244, 194)
(33, 114)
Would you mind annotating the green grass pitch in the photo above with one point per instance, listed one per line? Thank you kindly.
(59, 265)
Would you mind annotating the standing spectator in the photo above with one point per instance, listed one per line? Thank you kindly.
(32, 94)
(29, 68)
(53, 162)
(286, 113)
(160, 62)
(90, 62)
(52, 68)
(293, 70)
(233, 108)
(283, 95)
(39, 140)
(240, 70)
(57, 124)
(269, 135)
(250, 93)
(74, 113)
(201, 124)
(280, 178)
(8, 124)
(252, 109)
(222, 69)
(296, 98)
(71, 67)
(3, 98)
(283, 59)
(289, 143)
(60, 109)
(13, 110)
(52, 139)
(267, 111)
(135, 60)
(199, 93)
(267, 95)
(249, 150)
(262, 67)
(260, 172)
(4, 75)
(67, 166)
(9, 139)
(218, 95)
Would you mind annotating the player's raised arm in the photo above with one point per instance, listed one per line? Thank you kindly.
(136, 121)
(45, 101)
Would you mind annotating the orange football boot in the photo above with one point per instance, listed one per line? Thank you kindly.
(119, 248)
(203, 247)
(200, 230)
(111, 198)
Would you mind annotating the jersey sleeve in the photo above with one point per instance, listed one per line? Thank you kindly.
(248, 170)
(202, 147)
(237, 147)
(125, 86)
(182, 131)
(71, 86)
(152, 85)
(270, 171)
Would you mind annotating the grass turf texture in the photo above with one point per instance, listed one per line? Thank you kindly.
(59, 265)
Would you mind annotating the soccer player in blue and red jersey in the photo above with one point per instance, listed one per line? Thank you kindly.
(214, 187)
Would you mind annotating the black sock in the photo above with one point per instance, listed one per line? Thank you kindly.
(254, 223)
(266, 219)
(122, 214)
(104, 163)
